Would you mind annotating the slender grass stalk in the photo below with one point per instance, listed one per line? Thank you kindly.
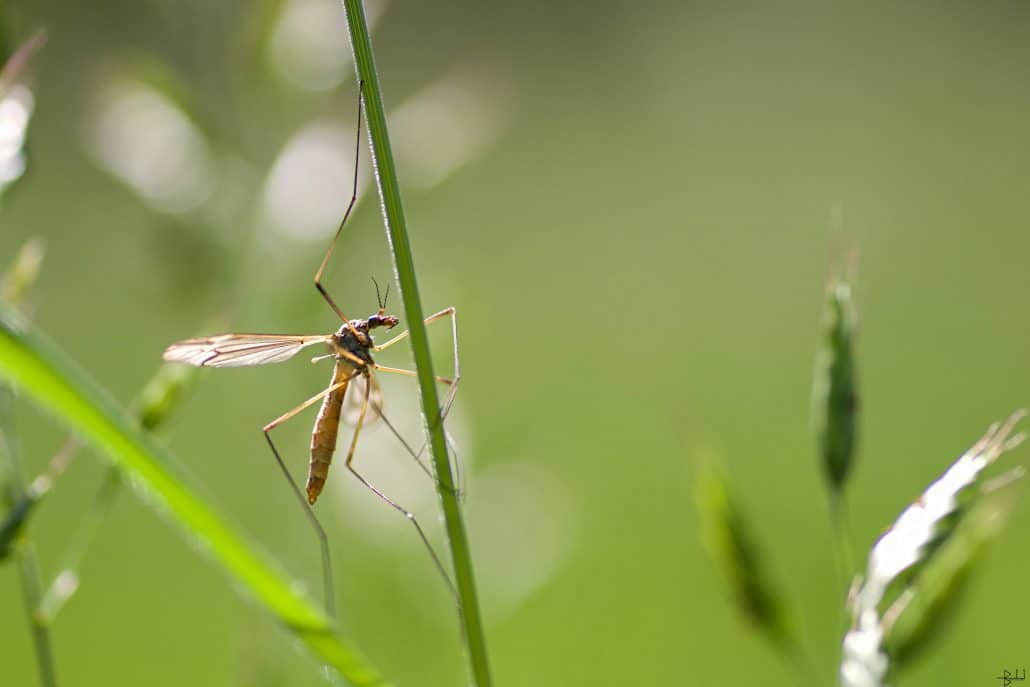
(14, 288)
(66, 582)
(24, 551)
(28, 569)
(397, 232)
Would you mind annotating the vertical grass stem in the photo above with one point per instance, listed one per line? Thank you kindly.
(397, 233)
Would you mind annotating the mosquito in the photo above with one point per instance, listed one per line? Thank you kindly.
(351, 348)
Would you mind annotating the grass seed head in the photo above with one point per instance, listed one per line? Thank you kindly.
(917, 568)
(727, 534)
(835, 392)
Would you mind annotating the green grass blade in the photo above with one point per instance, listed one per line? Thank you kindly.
(162, 393)
(397, 231)
(42, 372)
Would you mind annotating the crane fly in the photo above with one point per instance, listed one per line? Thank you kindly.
(354, 369)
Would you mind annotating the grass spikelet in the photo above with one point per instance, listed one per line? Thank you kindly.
(162, 393)
(900, 561)
(22, 273)
(835, 391)
(918, 616)
(18, 61)
(729, 538)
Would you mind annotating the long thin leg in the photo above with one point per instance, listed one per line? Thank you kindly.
(453, 383)
(429, 320)
(408, 514)
(339, 230)
(417, 457)
(440, 418)
(378, 408)
(323, 540)
(459, 473)
(409, 373)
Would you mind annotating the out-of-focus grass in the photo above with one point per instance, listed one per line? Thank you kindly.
(736, 549)
(37, 367)
(19, 497)
(835, 392)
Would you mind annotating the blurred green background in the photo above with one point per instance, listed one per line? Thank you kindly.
(630, 205)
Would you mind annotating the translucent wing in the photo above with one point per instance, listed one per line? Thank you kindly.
(238, 350)
(352, 403)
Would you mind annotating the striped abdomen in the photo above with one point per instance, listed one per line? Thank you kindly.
(327, 425)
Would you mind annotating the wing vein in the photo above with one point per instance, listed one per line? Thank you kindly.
(238, 350)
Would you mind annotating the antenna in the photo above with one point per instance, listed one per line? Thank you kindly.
(379, 300)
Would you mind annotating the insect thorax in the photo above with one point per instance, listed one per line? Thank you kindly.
(345, 340)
